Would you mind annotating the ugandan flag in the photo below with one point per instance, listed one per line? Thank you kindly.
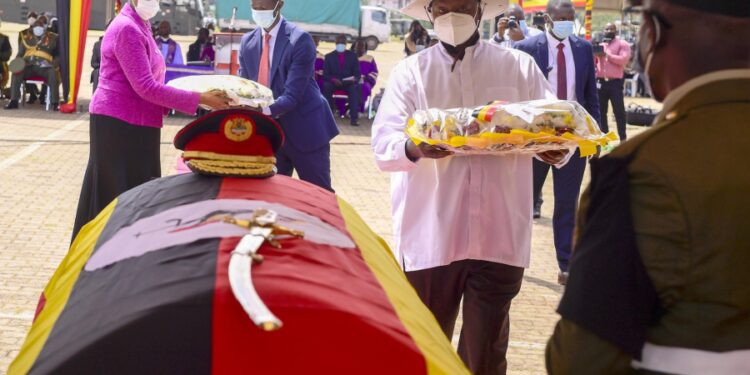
(587, 19)
(541, 5)
(144, 290)
(73, 18)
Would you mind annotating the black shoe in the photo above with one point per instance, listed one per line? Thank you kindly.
(32, 99)
(55, 107)
(354, 123)
(537, 210)
(13, 104)
(42, 100)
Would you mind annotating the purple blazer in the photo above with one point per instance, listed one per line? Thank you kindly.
(131, 77)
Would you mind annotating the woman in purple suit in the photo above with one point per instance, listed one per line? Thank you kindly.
(369, 70)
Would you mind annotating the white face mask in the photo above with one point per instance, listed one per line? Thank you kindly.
(455, 28)
(264, 18)
(31, 21)
(147, 9)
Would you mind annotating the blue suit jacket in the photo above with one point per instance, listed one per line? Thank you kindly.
(333, 68)
(300, 108)
(583, 56)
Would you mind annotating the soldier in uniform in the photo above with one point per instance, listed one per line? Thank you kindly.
(659, 277)
(5, 52)
(39, 50)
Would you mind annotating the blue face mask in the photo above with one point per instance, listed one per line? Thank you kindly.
(341, 48)
(38, 30)
(524, 27)
(563, 29)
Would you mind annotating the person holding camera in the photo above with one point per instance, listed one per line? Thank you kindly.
(512, 27)
(612, 55)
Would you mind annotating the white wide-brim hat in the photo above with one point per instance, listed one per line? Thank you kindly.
(492, 8)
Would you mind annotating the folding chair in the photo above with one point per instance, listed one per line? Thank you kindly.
(36, 80)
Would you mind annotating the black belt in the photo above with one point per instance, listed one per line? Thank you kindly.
(608, 79)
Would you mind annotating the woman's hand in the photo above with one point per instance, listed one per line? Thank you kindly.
(215, 100)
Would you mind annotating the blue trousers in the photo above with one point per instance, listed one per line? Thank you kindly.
(312, 166)
(567, 187)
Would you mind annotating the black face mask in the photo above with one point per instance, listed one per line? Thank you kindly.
(610, 35)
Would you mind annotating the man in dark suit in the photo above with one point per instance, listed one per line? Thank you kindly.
(96, 62)
(281, 56)
(568, 63)
(341, 72)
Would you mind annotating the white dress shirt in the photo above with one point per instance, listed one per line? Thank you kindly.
(570, 66)
(274, 33)
(459, 207)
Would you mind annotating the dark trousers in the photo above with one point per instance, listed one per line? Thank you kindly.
(487, 289)
(567, 187)
(353, 92)
(313, 166)
(50, 74)
(121, 157)
(612, 91)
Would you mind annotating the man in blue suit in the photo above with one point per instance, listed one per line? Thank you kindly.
(568, 63)
(282, 56)
(341, 72)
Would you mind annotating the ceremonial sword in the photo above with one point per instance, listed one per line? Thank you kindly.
(262, 228)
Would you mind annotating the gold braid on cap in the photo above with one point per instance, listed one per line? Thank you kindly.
(214, 164)
(231, 168)
(224, 157)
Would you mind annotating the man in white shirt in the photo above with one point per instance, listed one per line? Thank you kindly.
(510, 31)
(462, 224)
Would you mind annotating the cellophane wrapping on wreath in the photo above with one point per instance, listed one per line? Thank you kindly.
(510, 128)
(243, 92)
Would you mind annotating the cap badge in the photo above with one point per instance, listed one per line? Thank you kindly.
(238, 128)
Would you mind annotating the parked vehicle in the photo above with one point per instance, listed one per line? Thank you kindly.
(324, 18)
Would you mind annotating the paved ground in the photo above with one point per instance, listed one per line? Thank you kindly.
(42, 160)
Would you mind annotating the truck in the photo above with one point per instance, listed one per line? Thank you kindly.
(323, 18)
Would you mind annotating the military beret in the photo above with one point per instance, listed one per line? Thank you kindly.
(232, 143)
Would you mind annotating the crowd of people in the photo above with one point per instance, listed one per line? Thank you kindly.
(653, 258)
(38, 55)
